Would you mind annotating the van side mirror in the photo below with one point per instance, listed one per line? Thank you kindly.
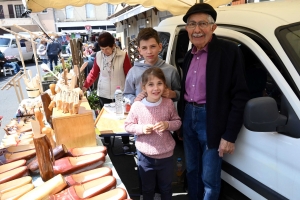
(261, 115)
(13, 46)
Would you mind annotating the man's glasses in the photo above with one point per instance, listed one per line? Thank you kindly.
(193, 25)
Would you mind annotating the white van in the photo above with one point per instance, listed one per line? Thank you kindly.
(8, 46)
(266, 163)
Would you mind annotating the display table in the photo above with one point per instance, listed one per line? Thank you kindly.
(108, 125)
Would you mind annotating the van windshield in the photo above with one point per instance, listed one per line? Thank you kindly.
(4, 42)
(289, 37)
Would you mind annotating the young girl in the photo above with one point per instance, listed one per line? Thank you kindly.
(152, 119)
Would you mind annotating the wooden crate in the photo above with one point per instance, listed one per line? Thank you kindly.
(75, 130)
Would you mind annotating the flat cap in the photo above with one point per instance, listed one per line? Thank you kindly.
(200, 8)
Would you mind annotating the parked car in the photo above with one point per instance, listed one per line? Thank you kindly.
(266, 162)
(8, 46)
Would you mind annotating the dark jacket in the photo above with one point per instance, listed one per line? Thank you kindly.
(53, 48)
(226, 91)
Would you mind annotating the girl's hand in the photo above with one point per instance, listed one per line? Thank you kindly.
(161, 126)
(147, 129)
(140, 96)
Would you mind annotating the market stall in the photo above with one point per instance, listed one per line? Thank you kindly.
(51, 148)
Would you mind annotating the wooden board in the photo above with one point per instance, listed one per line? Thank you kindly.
(74, 130)
(108, 124)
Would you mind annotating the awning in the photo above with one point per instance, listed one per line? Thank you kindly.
(91, 23)
(176, 7)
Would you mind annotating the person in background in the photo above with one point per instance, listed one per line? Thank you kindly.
(149, 47)
(152, 119)
(53, 49)
(111, 65)
(96, 47)
(213, 96)
(68, 49)
(42, 52)
(118, 43)
(7, 63)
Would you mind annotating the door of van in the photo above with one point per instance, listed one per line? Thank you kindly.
(266, 165)
(25, 48)
(175, 44)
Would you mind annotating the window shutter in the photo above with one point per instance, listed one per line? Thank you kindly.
(11, 11)
(1, 12)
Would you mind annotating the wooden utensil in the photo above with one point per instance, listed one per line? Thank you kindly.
(39, 117)
(45, 157)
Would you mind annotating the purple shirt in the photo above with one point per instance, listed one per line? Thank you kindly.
(195, 83)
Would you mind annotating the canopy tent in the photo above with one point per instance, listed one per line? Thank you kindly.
(176, 7)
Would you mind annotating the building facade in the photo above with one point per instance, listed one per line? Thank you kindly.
(129, 20)
(11, 13)
(89, 16)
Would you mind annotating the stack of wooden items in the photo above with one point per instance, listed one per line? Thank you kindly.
(59, 147)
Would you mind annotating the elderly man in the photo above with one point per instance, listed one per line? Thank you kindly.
(213, 97)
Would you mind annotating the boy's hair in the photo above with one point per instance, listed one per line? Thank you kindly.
(146, 34)
(154, 72)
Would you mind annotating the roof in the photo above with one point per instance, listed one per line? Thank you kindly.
(120, 12)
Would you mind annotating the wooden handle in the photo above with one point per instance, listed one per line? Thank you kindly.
(51, 105)
(50, 187)
(39, 117)
(65, 107)
(58, 152)
(52, 88)
(44, 157)
(71, 111)
(49, 133)
(59, 104)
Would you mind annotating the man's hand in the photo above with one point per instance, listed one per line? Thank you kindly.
(226, 147)
(161, 126)
(169, 94)
(84, 89)
(140, 96)
(147, 129)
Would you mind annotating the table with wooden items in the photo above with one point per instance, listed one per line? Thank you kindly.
(110, 126)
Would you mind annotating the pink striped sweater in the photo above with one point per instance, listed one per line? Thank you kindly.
(156, 145)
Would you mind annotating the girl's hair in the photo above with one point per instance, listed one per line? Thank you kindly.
(106, 40)
(153, 71)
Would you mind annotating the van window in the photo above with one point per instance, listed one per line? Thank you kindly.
(289, 37)
(4, 42)
(13, 42)
(270, 51)
(22, 43)
(260, 83)
(164, 38)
